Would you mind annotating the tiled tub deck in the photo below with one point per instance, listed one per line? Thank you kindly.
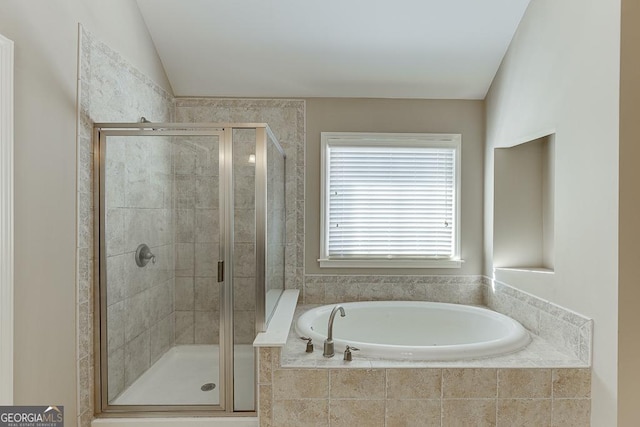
(540, 385)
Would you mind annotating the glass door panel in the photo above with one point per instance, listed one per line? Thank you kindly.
(160, 219)
(244, 267)
(276, 223)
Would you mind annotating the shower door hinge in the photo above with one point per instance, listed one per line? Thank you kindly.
(220, 271)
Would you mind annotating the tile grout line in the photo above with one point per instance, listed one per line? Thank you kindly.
(496, 395)
(441, 397)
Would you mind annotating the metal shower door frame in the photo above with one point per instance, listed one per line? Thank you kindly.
(224, 131)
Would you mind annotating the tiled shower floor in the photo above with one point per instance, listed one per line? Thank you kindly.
(177, 377)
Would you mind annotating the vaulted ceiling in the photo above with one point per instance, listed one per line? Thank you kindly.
(436, 49)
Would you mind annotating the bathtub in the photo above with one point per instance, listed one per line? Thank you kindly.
(415, 330)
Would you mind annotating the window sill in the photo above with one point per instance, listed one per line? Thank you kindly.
(389, 263)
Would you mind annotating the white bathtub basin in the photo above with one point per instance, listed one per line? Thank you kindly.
(416, 330)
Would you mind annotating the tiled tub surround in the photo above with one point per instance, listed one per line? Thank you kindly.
(540, 385)
(563, 329)
(547, 383)
(330, 289)
(420, 396)
(109, 90)
(538, 354)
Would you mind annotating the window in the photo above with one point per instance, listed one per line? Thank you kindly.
(390, 200)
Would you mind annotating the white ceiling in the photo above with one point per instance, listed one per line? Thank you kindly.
(437, 49)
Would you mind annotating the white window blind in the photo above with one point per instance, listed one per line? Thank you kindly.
(390, 198)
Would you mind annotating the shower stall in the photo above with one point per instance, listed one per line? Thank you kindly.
(190, 248)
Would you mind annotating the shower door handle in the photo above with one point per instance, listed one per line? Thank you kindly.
(220, 271)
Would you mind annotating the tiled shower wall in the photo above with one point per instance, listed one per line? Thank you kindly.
(197, 239)
(276, 220)
(139, 209)
(109, 90)
(244, 245)
(286, 119)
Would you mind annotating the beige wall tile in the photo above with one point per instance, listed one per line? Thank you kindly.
(414, 383)
(207, 327)
(116, 373)
(275, 357)
(184, 260)
(413, 413)
(185, 191)
(532, 383)
(571, 383)
(244, 329)
(340, 292)
(137, 311)
(265, 405)
(207, 226)
(184, 329)
(184, 293)
(206, 256)
(136, 358)
(185, 225)
(469, 412)
(244, 261)
(469, 383)
(357, 383)
(207, 294)
(264, 368)
(115, 326)
(301, 413)
(300, 383)
(116, 278)
(314, 293)
(206, 192)
(349, 413)
(161, 337)
(571, 413)
(524, 412)
(244, 293)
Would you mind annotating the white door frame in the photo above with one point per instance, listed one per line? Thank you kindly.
(6, 221)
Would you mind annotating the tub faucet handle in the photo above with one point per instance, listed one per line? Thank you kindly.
(347, 353)
(309, 344)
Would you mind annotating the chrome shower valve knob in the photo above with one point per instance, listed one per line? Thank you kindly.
(144, 255)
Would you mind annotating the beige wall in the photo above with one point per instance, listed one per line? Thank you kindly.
(629, 250)
(45, 35)
(561, 73)
(398, 115)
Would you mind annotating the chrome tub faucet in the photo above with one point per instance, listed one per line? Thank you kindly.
(328, 343)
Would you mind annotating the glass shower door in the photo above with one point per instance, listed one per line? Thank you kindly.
(244, 267)
(161, 237)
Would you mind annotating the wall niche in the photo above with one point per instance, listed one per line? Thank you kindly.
(524, 206)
